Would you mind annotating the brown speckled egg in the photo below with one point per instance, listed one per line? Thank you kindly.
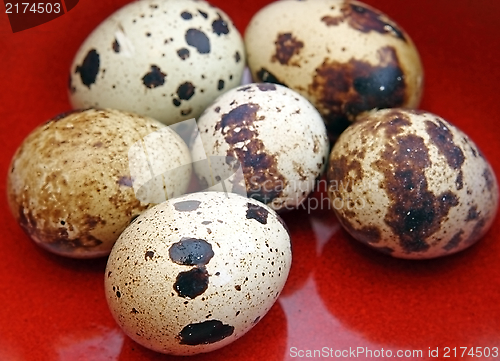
(275, 134)
(197, 272)
(69, 184)
(167, 59)
(344, 56)
(410, 184)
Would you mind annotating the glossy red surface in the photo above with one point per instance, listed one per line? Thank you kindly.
(339, 293)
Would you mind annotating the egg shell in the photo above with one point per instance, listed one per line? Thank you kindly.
(167, 59)
(410, 184)
(277, 136)
(344, 56)
(70, 186)
(195, 273)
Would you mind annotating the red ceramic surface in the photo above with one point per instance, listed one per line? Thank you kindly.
(340, 295)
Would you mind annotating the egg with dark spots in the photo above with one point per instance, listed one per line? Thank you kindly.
(411, 184)
(272, 134)
(344, 56)
(70, 184)
(164, 59)
(209, 253)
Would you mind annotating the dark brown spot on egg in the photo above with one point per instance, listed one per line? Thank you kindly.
(116, 46)
(220, 84)
(92, 221)
(176, 102)
(286, 47)
(344, 90)
(199, 40)
(219, 26)
(473, 214)
(385, 250)
(415, 213)
(187, 206)
(186, 15)
(204, 333)
(263, 180)
(474, 151)
(149, 255)
(191, 283)
(454, 241)
(125, 181)
(183, 53)
(202, 13)
(89, 68)
(459, 181)
(134, 311)
(257, 212)
(488, 177)
(191, 252)
(185, 91)
(237, 56)
(60, 240)
(266, 87)
(365, 234)
(393, 123)
(154, 78)
(365, 19)
(332, 20)
(477, 232)
(316, 147)
(266, 76)
(343, 174)
(442, 138)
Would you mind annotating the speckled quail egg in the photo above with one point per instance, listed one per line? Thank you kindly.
(275, 135)
(195, 273)
(411, 184)
(344, 56)
(167, 59)
(70, 185)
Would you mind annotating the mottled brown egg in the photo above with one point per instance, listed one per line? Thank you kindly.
(70, 186)
(275, 135)
(410, 184)
(344, 56)
(197, 272)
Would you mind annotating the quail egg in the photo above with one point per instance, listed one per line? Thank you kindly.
(167, 59)
(70, 185)
(197, 272)
(275, 135)
(344, 56)
(411, 184)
